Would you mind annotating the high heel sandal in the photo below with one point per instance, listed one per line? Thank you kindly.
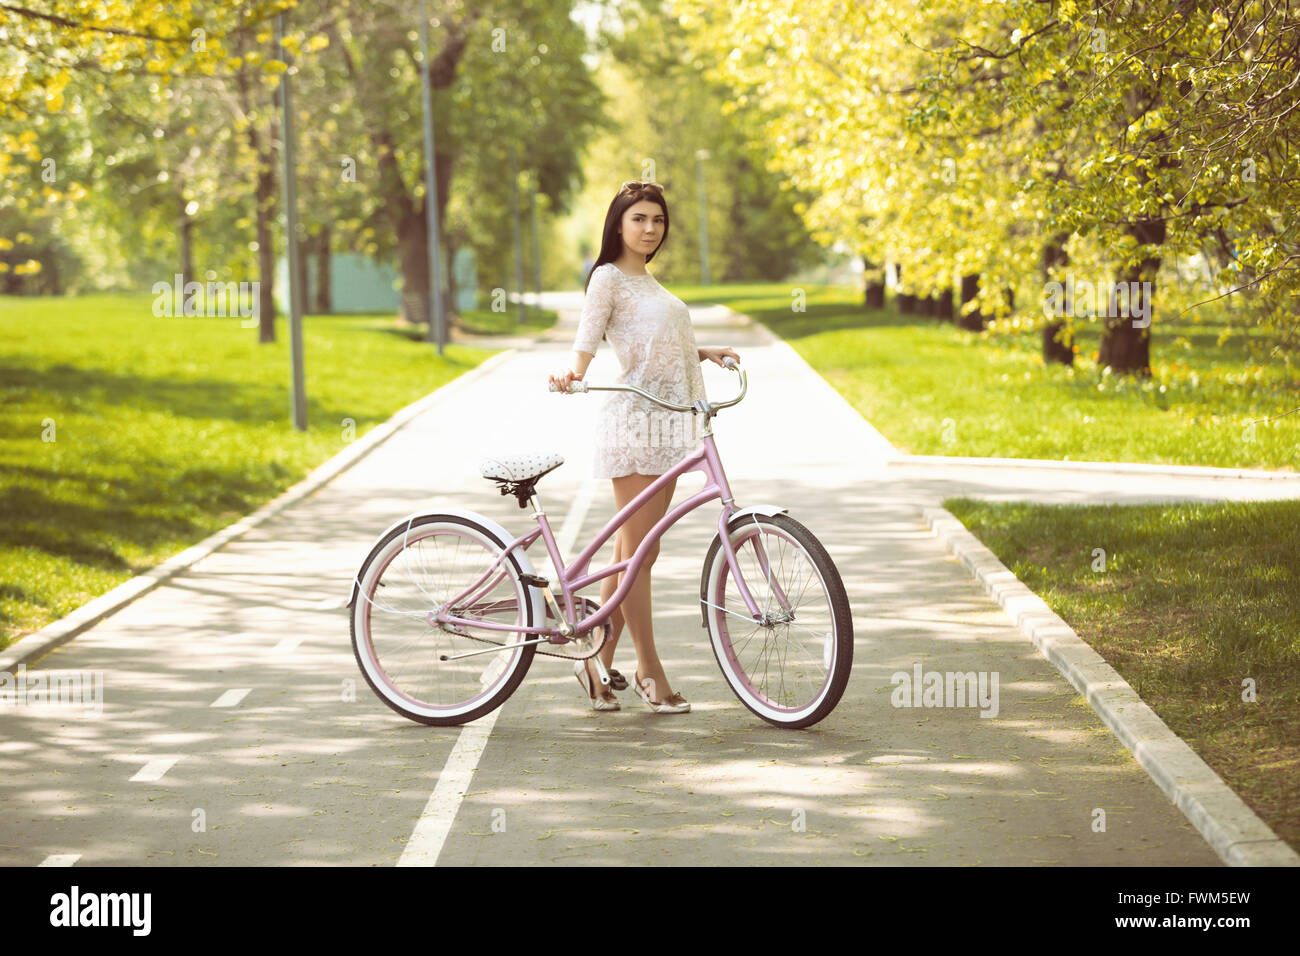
(598, 701)
(673, 704)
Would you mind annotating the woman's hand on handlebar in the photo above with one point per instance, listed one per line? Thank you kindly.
(564, 379)
(717, 353)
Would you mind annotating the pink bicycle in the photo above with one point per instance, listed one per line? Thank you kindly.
(437, 604)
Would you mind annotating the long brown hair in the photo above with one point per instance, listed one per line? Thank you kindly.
(611, 243)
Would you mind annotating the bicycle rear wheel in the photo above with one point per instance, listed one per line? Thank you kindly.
(792, 668)
(412, 571)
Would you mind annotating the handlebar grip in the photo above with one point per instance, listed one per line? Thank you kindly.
(577, 385)
(730, 362)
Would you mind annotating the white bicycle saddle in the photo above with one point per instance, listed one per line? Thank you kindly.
(520, 467)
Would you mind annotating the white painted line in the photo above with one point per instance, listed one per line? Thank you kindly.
(431, 830)
(434, 824)
(60, 859)
(155, 769)
(288, 645)
(231, 698)
(1229, 826)
(573, 520)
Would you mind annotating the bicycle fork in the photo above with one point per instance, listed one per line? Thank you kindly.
(757, 615)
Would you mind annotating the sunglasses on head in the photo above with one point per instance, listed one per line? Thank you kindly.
(636, 185)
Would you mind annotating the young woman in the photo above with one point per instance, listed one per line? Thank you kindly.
(637, 440)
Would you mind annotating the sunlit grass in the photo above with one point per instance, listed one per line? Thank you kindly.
(166, 429)
(934, 389)
(1193, 604)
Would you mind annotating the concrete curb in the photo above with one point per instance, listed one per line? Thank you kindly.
(1238, 836)
(1118, 467)
(39, 643)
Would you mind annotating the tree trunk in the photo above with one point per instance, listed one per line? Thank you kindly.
(265, 202)
(905, 302)
(323, 303)
(973, 321)
(409, 219)
(943, 310)
(263, 211)
(413, 259)
(874, 294)
(1126, 339)
(304, 288)
(1057, 345)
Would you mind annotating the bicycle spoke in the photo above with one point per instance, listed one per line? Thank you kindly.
(425, 567)
(786, 665)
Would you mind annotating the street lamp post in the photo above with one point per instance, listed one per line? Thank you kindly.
(700, 156)
(291, 241)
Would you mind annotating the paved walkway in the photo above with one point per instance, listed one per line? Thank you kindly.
(307, 766)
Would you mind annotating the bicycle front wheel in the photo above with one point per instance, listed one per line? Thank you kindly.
(414, 570)
(791, 667)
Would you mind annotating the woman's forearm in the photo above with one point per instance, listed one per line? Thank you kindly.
(580, 361)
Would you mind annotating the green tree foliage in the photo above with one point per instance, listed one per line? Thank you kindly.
(976, 139)
(61, 66)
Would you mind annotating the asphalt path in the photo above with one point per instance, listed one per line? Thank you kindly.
(236, 728)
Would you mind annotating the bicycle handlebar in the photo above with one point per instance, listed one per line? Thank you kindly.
(727, 360)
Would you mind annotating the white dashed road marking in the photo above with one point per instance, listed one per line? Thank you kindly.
(154, 769)
(231, 698)
(288, 645)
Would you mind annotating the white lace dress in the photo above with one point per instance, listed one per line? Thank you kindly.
(650, 330)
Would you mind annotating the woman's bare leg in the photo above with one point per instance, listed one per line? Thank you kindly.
(614, 624)
(635, 609)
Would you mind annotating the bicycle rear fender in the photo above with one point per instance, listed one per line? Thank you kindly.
(504, 537)
(768, 510)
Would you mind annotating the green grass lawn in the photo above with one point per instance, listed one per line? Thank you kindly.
(934, 389)
(167, 429)
(487, 322)
(1194, 599)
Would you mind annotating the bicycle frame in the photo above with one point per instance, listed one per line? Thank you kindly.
(574, 577)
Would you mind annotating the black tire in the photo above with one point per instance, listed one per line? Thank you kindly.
(512, 666)
(718, 587)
